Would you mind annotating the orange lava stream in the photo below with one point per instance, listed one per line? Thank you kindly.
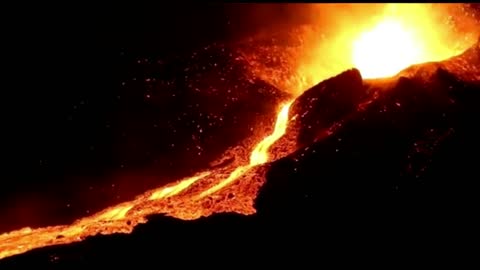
(259, 154)
(174, 200)
(380, 47)
(401, 37)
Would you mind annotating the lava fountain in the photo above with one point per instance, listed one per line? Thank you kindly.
(378, 39)
(402, 36)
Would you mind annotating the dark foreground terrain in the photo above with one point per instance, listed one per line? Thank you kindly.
(400, 168)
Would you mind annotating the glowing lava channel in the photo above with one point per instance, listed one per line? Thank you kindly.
(259, 154)
(124, 217)
(405, 35)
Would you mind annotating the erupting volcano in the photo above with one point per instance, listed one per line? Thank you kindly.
(399, 39)
(395, 52)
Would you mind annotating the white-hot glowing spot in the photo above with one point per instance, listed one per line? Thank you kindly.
(386, 49)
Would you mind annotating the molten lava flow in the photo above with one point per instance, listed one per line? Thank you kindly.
(170, 191)
(186, 200)
(402, 35)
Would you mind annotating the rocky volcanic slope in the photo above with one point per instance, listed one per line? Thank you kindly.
(197, 106)
(379, 161)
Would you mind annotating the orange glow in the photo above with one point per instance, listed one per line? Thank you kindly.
(260, 152)
(379, 39)
(168, 191)
(402, 36)
(386, 50)
(184, 199)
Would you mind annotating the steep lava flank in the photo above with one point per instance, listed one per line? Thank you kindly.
(368, 157)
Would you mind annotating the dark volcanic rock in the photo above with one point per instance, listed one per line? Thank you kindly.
(408, 154)
(324, 104)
